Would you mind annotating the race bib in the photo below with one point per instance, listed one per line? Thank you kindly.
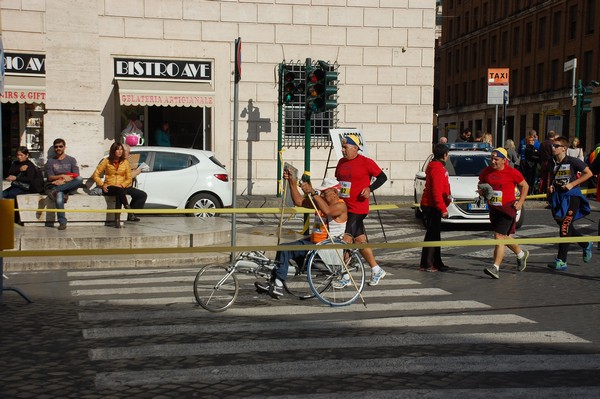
(563, 175)
(345, 189)
(496, 199)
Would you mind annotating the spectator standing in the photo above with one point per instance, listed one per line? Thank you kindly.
(117, 177)
(355, 172)
(443, 140)
(138, 197)
(567, 202)
(162, 135)
(465, 137)
(574, 150)
(24, 176)
(545, 157)
(503, 207)
(63, 177)
(436, 198)
(530, 164)
(536, 143)
(513, 157)
(331, 209)
(487, 138)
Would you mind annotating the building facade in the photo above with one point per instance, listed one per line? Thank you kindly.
(83, 69)
(536, 41)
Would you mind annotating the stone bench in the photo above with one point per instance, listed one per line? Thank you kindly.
(81, 200)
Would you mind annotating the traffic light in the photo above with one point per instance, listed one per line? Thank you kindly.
(586, 100)
(321, 85)
(292, 87)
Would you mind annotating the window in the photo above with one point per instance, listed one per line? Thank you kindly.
(516, 42)
(493, 49)
(555, 73)
(449, 63)
(542, 32)
(466, 58)
(473, 96)
(572, 22)
(485, 14)
(587, 67)
(484, 60)
(467, 20)
(474, 55)
(476, 18)
(556, 33)
(164, 161)
(539, 79)
(514, 82)
(590, 16)
(526, 78)
(504, 45)
(457, 61)
(528, 36)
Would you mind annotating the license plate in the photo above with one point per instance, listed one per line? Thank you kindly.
(475, 207)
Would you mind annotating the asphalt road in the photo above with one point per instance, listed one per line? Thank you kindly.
(137, 332)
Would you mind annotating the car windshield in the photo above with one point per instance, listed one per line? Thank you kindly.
(467, 165)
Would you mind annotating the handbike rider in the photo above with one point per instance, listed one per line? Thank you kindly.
(333, 211)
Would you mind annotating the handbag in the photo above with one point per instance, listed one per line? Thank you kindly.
(20, 184)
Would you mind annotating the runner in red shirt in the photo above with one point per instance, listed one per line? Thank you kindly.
(503, 206)
(354, 172)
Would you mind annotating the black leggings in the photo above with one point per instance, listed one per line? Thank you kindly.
(119, 194)
(568, 230)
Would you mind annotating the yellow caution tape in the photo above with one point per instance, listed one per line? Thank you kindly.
(242, 248)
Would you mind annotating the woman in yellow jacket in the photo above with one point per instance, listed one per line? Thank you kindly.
(117, 177)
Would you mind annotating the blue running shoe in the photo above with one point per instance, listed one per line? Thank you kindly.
(376, 277)
(587, 252)
(558, 265)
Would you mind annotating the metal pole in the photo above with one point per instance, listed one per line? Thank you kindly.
(496, 124)
(279, 132)
(578, 108)
(307, 129)
(235, 151)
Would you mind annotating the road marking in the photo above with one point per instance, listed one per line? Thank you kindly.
(507, 393)
(126, 272)
(390, 322)
(179, 288)
(330, 368)
(371, 341)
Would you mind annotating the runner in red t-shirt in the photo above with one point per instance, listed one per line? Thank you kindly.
(503, 206)
(354, 172)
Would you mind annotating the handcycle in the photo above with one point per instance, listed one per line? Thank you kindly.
(216, 292)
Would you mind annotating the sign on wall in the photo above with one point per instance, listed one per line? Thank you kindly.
(131, 68)
(25, 64)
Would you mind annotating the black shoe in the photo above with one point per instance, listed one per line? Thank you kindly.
(442, 268)
(132, 218)
(262, 288)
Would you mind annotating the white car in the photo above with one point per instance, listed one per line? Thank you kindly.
(465, 163)
(180, 178)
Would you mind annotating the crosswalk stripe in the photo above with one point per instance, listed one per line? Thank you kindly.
(332, 368)
(371, 341)
(127, 272)
(390, 322)
(169, 289)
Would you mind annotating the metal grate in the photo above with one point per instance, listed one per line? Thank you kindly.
(294, 114)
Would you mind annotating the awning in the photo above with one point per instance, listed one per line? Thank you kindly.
(165, 94)
(24, 89)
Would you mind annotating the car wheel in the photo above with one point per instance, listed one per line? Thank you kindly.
(203, 202)
(418, 213)
(521, 218)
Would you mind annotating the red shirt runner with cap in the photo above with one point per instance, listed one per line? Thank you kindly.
(503, 182)
(354, 175)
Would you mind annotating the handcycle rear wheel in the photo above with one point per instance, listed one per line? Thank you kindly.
(216, 288)
(324, 267)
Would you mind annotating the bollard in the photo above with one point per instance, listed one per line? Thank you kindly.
(7, 241)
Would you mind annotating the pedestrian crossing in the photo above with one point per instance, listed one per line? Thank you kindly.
(144, 330)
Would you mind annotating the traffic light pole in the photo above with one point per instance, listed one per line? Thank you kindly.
(307, 132)
(279, 132)
(578, 108)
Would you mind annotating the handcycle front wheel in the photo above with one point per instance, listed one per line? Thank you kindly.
(216, 287)
(296, 284)
(325, 267)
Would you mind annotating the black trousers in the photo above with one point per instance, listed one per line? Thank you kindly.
(432, 256)
(138, 197)
(119, 194)
(568, 230)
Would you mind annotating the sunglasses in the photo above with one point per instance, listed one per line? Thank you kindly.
(557, 145)
(59, 146)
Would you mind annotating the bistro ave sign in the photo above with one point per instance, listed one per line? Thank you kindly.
(129, 68)
(25, 64)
